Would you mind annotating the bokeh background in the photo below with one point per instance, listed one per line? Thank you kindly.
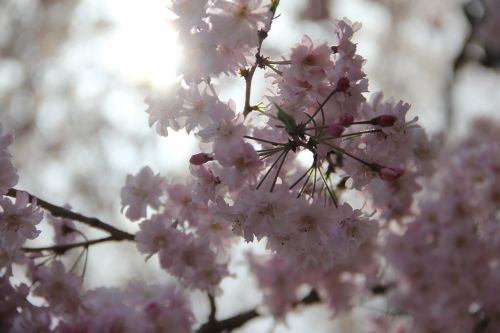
(74, 75)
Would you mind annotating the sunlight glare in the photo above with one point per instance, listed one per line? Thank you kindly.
(143, 46)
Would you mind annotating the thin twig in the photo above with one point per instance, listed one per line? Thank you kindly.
(250, 73)
(330, 192)
(58, 211)
(62, 248)
(370, 165)
(263, 140)
(320, 107)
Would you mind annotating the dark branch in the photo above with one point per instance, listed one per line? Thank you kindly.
(249, 73)
(213, 308)
(231, 323)
(58, 211)
(62, 248)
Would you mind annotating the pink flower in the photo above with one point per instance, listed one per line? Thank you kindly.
(18, 220)
(346, 119)
(191, 14)
(193, 262)
(139, 192)
(238, 21)
(279, 280)
(181, 203)
(343, 84)
(384, 120)
(200, 108)
(155, 234)
(210, 55)
(60, 289)
(206, 182)
(200, 159)
(224, 131)
(9, 255)
(336, 130)
(307, 59)
(391, 173)
(134, 308)
(240, 161)
(162, 110)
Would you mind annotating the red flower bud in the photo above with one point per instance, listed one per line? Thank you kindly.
(200, 158)
(346, 120)
(336, 130)
(343, 84)
(384, 120)
(390, 173)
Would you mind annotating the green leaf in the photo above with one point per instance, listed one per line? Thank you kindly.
(274, 5)
(286, 119)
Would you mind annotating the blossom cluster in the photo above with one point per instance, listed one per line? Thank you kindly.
(135, 308)
(219, 36)
(283, 172)
(18, 217)
(456, 228)
(248, 178)
(65, 306)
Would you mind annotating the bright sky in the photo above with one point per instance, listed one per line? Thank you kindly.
(143, 46)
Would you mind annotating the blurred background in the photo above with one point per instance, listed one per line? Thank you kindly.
(74, 75)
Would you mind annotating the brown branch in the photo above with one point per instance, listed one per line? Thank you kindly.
(231, 323)
(58, 211)
(248, 74)
(213, 308)
(259, 62)
(62, 248)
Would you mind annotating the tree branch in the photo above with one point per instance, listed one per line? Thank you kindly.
(248, 74)
(62, 248)
(57, 211)
(213, 308)
(231, 323)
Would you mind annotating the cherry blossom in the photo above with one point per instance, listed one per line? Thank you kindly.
(237, 21)
(371, 211)
(58, 287)
(18, 220)
(139, 192)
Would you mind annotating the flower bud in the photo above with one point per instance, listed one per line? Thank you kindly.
(384, 120)
(343, 84)
(336, 130)
(200, 158)
(390, 173)
(346, 120)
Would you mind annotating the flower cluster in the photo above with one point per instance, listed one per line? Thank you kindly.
(135, 308)
(248, 179)
(457, 230)
(248, 174)
(219, 36)
(280, 172)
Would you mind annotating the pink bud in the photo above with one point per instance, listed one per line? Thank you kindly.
(200, 158)
(343, 84)
(346, 120)
(153, 309)
(336, 130)
(384, 120)
(390, 173)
